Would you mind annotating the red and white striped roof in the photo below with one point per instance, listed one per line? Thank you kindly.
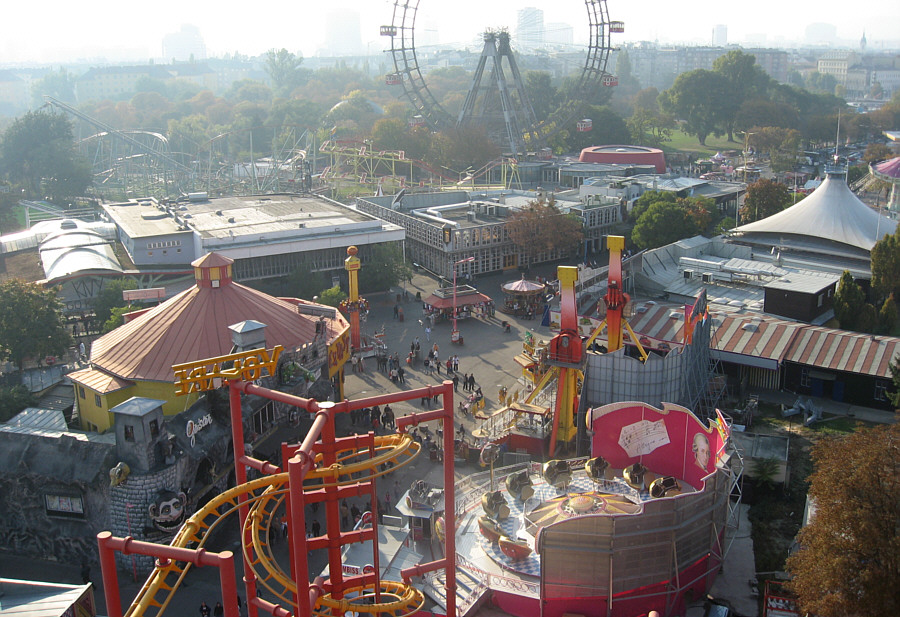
(771, 338)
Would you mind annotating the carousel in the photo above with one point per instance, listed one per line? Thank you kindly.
(889, 171)
(523, 298)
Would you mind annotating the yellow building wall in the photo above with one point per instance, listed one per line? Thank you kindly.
(101, 417)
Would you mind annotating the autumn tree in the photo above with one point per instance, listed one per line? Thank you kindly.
(541, 227)
(764, 198)
(849, 561)
(31, 322)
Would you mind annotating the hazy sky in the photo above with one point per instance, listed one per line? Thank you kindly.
(57, 31)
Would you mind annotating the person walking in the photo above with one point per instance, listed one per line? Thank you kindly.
(219, 610)
(455, 382)
(427, 333)
(316, 529)
(401, 375)
(204, 609)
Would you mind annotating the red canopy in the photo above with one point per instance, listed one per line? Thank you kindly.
(461, 300)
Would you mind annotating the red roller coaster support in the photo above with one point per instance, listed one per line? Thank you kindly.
(109, 544)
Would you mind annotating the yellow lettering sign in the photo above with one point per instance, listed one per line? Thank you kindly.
(208, 374)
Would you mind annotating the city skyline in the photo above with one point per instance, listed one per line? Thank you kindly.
(112, 34)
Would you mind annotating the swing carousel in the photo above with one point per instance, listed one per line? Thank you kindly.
(523, 297)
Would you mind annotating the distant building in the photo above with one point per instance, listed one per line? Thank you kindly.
(184, 45)
(13, 92)
(558, 33)
(112, 82)
(442, 228)
(720, 35)
(343, 36)
(529, 28)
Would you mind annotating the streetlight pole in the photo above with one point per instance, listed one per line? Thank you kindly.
(455, 333)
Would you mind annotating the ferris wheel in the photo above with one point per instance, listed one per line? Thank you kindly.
(518, 124)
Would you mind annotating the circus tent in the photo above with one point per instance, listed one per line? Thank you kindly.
(831, 221)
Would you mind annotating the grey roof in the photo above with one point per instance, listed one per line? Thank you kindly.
(38, 599)
(77, 251)
(831, 213)
(137, 406)
(51, 419)
(806, 282)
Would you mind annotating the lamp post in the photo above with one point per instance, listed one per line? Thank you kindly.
(455, 333)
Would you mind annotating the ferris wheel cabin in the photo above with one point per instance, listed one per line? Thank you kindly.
(584, 125)
(617, 26)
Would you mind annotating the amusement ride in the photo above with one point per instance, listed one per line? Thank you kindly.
(498, 102)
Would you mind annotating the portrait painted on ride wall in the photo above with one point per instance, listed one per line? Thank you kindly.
(700, 449)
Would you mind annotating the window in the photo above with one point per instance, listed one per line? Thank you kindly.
(154, 428)
(804, 377)
(64, 505)
(881, 390)
(98, 401)
(129, 432)
(81, 391)
(821, 298)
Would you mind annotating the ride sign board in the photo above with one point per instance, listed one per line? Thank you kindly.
(211, 373)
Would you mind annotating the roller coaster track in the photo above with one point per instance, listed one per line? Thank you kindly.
(263, 496)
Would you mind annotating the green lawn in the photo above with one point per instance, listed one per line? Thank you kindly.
(683, 142)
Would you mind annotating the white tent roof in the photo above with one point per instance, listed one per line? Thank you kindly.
(831, 212)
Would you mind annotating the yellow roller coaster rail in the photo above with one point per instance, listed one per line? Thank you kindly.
(263, 496)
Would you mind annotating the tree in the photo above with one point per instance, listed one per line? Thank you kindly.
(285, 71)
(541, 227)
(13, 400)
(648, 127)
(662, 223)
(541, 92)
(743, 77)
(58, 84)
(886, 266)
(849, 301)
(764, 198)
(383, 269)
(821, 82)
(697, 98)
(849, 561)
(887, 316)
(332, 296)
(31, 322)
(110, 297)
(894, 366)
(876, 152)
(38, 152)
(608, 128)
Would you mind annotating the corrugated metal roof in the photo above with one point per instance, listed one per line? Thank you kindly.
(49, 419)
(194, 325)
(839, 350)
(764, 336)
(98, 381)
